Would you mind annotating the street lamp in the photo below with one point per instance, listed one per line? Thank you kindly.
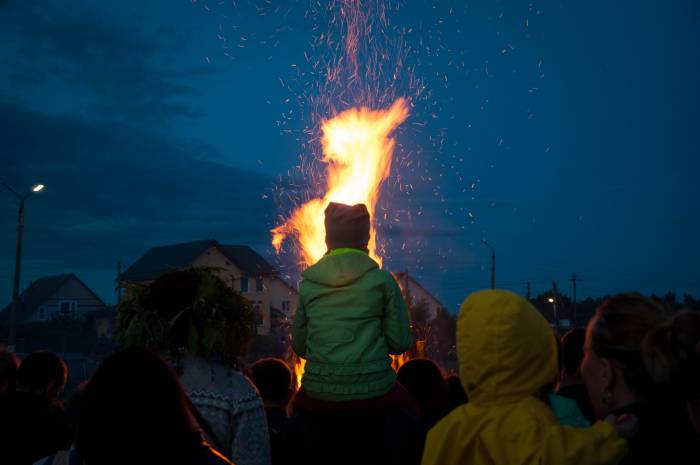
(493, 263)
(552, 301)
(18, 259)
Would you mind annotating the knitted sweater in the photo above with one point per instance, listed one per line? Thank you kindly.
(229, 402)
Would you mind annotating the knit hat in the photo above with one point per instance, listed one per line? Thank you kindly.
(347, 226)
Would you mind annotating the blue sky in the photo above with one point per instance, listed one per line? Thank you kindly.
(565, 134)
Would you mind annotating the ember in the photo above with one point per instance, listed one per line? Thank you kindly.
(362, 72)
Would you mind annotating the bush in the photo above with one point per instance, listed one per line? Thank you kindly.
(191, 310)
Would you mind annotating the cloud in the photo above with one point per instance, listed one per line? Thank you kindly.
(70, 58)
(113, 191)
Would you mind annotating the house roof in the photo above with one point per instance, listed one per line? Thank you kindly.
(286, 284)
(40, 291)
(158, 260)
(248, 259)
(400, 277)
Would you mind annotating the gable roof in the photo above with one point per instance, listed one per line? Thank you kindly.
(285, 283)
(248, 259)
(41, 290)
(160, 259)
(400, 277)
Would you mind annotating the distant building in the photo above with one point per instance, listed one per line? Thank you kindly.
(63, 296)
(414, 293)
(237, 265)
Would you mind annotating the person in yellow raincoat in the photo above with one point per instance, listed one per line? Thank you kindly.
(507, 354)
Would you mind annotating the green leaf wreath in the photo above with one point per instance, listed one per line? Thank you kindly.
(191, 310)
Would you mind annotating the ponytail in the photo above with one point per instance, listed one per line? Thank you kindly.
(671, 355)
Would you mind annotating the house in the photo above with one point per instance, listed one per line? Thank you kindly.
(239, 266)
(52, 297)
(283, 296)
(413, 292)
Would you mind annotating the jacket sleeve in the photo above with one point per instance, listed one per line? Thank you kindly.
(598, 444)
(530, 443)
(299, 332)
(397, 331)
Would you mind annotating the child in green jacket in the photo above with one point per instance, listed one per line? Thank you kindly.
(351, 315)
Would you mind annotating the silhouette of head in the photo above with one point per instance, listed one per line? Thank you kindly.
(43, 373)
(133, 406)
(8, 371)
(347, 226)
(424, 380)
(273, 378)
(613, 368)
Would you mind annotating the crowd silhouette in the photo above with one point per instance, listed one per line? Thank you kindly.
(626, 389)
(634, 374)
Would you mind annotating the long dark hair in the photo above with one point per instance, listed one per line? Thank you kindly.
(134, 410)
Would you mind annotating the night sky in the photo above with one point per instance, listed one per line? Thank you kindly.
(564, 133)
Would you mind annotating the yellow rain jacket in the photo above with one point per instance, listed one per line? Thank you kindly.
(507, 353)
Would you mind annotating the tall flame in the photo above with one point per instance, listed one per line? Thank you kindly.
(298, 364)
(358, 151)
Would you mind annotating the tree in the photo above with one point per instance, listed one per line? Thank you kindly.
(690, 303)
(191, 310)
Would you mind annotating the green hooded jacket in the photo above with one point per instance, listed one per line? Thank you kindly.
(350, 317)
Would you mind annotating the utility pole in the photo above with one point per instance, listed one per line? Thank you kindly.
(574, 278)
(555, 304)
(18, 269)
(18, 263)
(493, 263)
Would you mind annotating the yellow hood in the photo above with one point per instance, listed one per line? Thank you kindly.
(506, 348)
(507, 352)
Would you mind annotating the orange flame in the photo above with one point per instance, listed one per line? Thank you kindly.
(358, 150)
(398, 360)
(299, 364)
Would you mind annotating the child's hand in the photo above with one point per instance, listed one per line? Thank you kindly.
(626, 425)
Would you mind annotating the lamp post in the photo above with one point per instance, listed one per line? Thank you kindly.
(18, 260)
(493, 263)
(553, 301)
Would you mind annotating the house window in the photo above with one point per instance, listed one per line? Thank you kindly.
(259, 284)
(42, 312)
(285, 306)
(244, 284)
(68, 309)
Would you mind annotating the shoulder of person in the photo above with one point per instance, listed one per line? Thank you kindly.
(238, 392)
(527, 418)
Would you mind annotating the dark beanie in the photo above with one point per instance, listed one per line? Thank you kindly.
(347, 226)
